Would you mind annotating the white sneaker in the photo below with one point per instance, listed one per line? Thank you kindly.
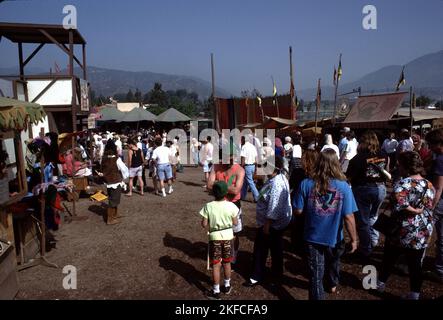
(170, 190)
(163, 193)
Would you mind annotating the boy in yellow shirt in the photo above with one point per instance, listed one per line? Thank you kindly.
(219, 216)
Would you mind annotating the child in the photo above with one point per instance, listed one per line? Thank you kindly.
(220, 215)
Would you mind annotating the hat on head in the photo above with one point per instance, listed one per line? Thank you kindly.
(220, 189)
(346, 129)
(288, 139)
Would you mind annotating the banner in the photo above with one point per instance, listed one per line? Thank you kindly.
(375, 108)
(84, 95)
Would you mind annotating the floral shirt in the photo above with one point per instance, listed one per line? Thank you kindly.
(416, 229)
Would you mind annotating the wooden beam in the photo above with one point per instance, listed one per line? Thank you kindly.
(75, 58)
(20, 60)
(52, 39)
(33, 54)
(84, 61)
(50, 84)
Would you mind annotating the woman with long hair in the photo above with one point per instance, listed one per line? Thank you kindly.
(114, 171)
(412, 205)
(308, 162)
(326, 200)
(366, 174)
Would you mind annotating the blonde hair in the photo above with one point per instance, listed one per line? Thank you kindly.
(369, 142)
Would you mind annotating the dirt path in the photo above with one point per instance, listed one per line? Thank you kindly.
(159, 252)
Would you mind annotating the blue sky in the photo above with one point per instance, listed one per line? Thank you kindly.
(249, 38)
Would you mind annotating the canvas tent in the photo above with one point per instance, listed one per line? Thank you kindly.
(172, 115)
(138, 114)
(110, 113)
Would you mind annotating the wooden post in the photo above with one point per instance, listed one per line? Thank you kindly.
(291, 75)
(410, 110)
(74, 104)
(317, 107)
(20, 60)
(84, 62)
(214, 104)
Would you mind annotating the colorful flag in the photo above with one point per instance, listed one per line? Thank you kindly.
(340, 70)
(402, 80)
(318, 93)
(259, 101)
(335, 76)
(274, 92)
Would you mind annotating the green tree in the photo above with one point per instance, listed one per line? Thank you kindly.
(158, 96)
(423, 101)
(138, 96)
(130, 96)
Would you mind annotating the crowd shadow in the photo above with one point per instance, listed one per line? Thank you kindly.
(195, 250)
(99, 210)
(191, 184)
(191, 275)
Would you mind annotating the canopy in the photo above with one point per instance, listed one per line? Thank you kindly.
(172, 115)
(110, 113)
(16, 114)
(138, 114)
(275, 123)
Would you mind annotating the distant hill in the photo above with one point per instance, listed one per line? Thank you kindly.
(109, 82)
(425, 74)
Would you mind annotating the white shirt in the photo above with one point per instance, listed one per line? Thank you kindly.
(296, 151)
(209, 150)
(118, 144)
(351, 149)
(288, 147)
(333, 147)
(249, 152)
(161, 155)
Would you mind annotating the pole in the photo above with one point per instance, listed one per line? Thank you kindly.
(214, 108)
(336, 91)
(73, 104)
(410, 110)
(317, 107)
(291, 74)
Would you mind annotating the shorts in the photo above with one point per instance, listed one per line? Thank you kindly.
(207, 166)
(136, 172)
(114, 196)
(164, 172)
(220, 251)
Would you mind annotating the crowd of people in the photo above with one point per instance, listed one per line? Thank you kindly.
(317, 190)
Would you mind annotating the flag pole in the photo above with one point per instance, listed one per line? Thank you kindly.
(336, 92)
(410, 110)
(214, 108)
(317, 107)
(291, 74)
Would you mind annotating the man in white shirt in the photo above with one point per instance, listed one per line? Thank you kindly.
(248, 160)
(207, 158)
(164, 169)
(349, 152)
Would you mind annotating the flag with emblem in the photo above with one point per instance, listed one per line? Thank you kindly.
(335, 76)
(402, 80)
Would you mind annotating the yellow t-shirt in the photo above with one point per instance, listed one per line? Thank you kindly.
(219, 215)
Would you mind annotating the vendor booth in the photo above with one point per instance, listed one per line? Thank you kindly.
(18, 228)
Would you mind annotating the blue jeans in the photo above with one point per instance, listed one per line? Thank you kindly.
(249, 182)
(438, 220)
(323, 267)
(369, 200)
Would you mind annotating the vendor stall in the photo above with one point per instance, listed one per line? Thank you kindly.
(15, 117)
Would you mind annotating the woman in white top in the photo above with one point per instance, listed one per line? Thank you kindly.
(329, 144)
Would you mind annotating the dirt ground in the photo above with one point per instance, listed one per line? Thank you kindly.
(159, 252)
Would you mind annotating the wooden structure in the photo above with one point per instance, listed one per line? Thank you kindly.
(15, 116)
(72, 104)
